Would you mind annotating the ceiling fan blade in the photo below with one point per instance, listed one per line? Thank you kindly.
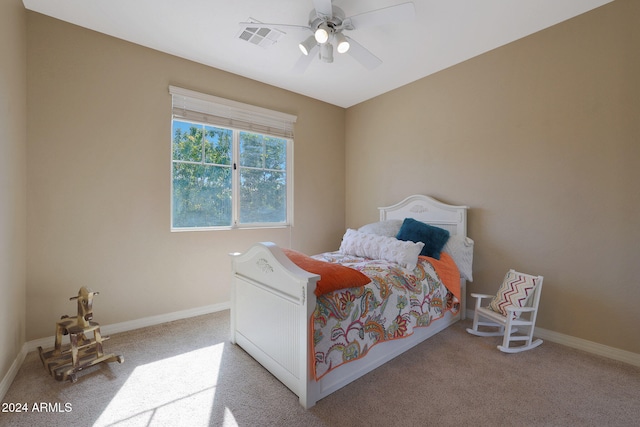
(323, 8)
(389, 15)
(303, 62)
(363, 55)
(281, 27)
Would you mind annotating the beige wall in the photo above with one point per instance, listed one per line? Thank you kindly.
(541, 139)
(13, 146)
(99, 179)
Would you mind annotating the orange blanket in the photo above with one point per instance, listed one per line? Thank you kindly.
(447, 271)
(332, 276)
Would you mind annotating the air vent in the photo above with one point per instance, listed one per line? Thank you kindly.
(260, 36)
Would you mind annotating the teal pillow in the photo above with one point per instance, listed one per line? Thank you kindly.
(434, 238)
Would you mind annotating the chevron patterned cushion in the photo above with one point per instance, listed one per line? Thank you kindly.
(515, 291)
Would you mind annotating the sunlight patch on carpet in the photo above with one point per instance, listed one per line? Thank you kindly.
(160, 393)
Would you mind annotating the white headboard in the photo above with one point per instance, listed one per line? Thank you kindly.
(430, 211)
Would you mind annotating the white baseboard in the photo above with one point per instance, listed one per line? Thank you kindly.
(589, 346)
(139, 323)
(584, 345)
(13, 371)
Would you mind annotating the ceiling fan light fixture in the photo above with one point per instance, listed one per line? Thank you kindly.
(307, 45)
(326, 52)
(322, 33)
(342, 43)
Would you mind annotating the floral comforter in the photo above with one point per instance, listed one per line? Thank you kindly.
(349, 322)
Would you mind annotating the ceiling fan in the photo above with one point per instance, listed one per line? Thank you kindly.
(327, 23)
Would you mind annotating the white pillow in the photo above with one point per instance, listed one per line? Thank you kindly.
(381, 247)
(388, 227)
(461, 250)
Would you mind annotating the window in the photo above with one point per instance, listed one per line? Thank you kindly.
(231, 164)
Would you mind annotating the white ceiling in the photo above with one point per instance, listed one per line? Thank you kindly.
(444, 33)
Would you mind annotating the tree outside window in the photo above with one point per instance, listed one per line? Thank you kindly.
(207, 193)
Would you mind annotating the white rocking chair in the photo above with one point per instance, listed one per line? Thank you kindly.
(518, 295)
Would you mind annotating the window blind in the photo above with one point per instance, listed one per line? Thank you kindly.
(200, 107)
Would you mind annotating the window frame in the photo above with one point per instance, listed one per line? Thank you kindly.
(235, 161)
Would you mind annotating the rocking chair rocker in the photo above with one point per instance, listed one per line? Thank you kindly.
(518, 295)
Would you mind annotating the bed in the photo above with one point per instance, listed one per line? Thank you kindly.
(277, 316)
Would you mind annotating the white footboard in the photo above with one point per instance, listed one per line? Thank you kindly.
(272, 301)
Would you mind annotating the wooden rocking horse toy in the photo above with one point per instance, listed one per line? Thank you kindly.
(63, 362)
